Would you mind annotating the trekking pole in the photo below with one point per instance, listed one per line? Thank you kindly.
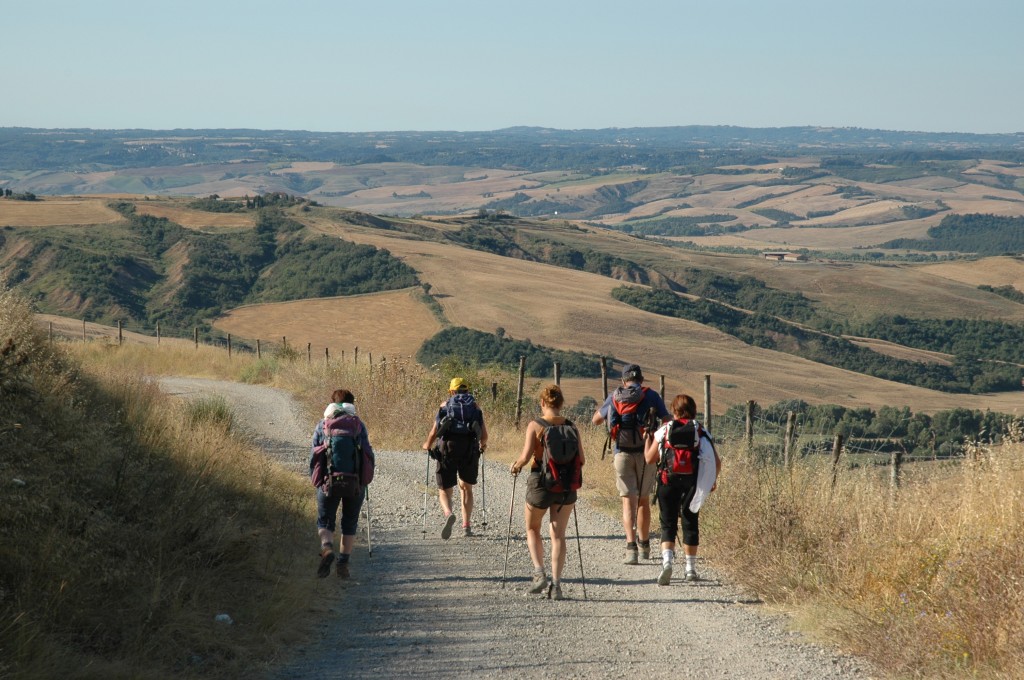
(369, 520)
(579, 551)
(511, 504)
(426, 487)
(483, 486)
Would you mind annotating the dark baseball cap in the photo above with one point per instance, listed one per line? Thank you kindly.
(632, 372)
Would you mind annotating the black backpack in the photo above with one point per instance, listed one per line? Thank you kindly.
(680, 451)
(561, 468)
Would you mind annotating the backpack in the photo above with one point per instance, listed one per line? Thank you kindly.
(680, 451)
(626, 424)
(561, 468)
(461, 417)
(341, 458)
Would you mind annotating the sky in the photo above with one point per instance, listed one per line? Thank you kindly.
(377, 65)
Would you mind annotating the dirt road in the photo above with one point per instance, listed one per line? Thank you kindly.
(421, 607)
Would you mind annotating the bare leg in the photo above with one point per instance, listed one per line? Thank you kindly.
(559, 522)
(629, 511)
(445, 496)
(643, 518)
(533, 517)
(326, 536)
(467, 501)
(346, 544)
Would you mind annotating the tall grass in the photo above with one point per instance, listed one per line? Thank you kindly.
(130, 522)
(927, 582)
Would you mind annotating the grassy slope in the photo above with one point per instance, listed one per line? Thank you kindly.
(573, 310)
(132, 528)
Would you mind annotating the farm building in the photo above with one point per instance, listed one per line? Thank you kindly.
(784, 256)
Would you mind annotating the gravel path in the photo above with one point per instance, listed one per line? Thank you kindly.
(427, 608)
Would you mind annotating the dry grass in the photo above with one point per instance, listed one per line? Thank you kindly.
(989, 271)
(926, 583)
(195, 219)
(51, 212)
(391, 324)
(125, 533)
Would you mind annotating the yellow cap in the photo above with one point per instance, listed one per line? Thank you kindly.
(456, 384)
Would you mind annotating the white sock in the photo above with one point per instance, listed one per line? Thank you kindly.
(691, 562)
(667, 556)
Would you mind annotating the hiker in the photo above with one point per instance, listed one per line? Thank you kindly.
(683, 451)
(554, 446)
(341, 465)
(632, 412)
(460, 437)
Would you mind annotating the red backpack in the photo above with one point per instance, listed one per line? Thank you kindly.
(680, 451)
(626, 424)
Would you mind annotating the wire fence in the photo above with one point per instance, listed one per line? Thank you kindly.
(769, 436)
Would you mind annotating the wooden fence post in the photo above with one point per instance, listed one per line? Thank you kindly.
(558, 373)
(195, 335)
(661, 386)
(259, 353)
(707, 401)
(327, 355)
(494, 391)
(284, 343)
(837, 449)
(519, 392)
(748, 434)
(355, 356)
(84, 338)
(309, 353)
(120, 335)
(229, 345)
(157, 333)
(787, 443)
(896, 460)
(51, 332)
(604, 379)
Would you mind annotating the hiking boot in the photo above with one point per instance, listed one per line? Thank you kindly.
(645, 549)
(449, 522)
(326, 558)
(666, 575)
(632, 554)
(342, 570)
(555, 591)
(467, 531)
(539, 584)
(691, 575)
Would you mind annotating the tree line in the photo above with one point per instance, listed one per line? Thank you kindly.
(500, 349)
(966, 374)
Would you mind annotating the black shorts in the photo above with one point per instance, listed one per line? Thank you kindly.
(674, 501)
(541, 498)
(459, 460)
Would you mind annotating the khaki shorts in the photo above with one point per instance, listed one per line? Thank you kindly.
(628, 469)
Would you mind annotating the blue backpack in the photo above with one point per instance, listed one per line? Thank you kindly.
(462, 417)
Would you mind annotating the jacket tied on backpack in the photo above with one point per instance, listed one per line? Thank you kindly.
(342, 459)
(561, 468)
(687, 454)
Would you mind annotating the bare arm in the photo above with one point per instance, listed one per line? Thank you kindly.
(651, 451)
(431, 437)
(528, 447)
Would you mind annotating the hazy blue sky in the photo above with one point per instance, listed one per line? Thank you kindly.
(933, 65)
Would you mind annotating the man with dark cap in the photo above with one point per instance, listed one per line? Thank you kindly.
(633, 412)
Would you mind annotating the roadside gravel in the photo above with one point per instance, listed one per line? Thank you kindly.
(427, 608)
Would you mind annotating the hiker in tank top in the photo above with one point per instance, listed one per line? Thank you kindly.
(688, 467)
(559, 499)
(344, 491)
(456, 440)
